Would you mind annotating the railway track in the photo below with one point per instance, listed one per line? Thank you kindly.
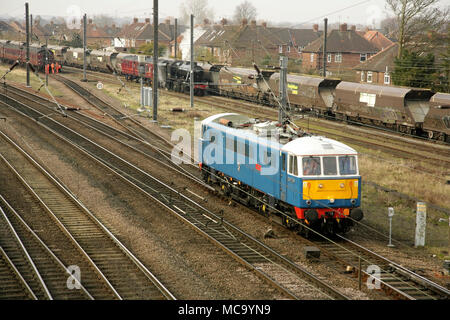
(391, 277)
(389, 270)
(162, 152)
(403, 284)
(72, 226)
(43, 275)
(265, 262)
(131, 125)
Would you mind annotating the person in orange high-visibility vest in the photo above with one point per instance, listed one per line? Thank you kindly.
(53, 67)
(57, 67)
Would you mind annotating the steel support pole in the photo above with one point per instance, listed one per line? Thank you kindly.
(192, 62)
(46, 61)
(283, 84)
(325, 56)
(155, 59)
(176, 36)
(84, 48)
(27, 26)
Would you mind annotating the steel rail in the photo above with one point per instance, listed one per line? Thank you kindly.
(11, 265)
(41, 243)
(127, 178)
(93, 219)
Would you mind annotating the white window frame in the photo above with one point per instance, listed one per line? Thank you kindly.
(280, 49)
(329, 57)
(312, 57)
(369, 76)
(388, 77)
(361, 56)
(290, 169)
(288, 49)
(338, 57)
(363, 76)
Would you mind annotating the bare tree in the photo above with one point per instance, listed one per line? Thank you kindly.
(199, 8)
(103, 20)
(246, 10)
(414, 18)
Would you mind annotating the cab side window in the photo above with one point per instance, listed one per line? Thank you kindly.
(293, 165)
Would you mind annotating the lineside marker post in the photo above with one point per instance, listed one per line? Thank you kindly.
(390, 215)
(421, 224)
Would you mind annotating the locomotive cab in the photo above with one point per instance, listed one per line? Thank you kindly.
(322, 181)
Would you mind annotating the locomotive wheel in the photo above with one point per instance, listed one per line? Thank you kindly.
(430, 134)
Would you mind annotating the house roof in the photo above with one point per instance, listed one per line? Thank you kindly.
(131, 31)
(377, 39)
(4, 26)
(93, 31)
(342, 41)
(144, 31)
(240, 36)
(381, 60)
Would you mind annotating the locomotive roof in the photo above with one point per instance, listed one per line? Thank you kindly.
(254, 131)
(316, 145)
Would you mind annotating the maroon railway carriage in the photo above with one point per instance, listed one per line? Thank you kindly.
(11, 51)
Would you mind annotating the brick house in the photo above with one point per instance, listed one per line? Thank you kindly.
(377, 69)
(140, 33)
(345, 49)
(247, 43)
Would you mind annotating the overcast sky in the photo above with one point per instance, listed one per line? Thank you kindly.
(295, 11)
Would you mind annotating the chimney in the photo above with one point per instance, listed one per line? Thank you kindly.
(244, 22)
(253, 23)
(90, 21)
(167, 21)
(206, 22)
(135, 20)
(353, 28)
(51, 22)
(343, 27)
(264, 24)
(316, 27)
(147, 20)
(113, 25)
(223, 21)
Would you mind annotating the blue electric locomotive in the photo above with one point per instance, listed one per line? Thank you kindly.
(275, 168)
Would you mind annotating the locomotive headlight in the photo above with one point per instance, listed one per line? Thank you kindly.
(320, 186)
(331, 200)
(342, 185)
